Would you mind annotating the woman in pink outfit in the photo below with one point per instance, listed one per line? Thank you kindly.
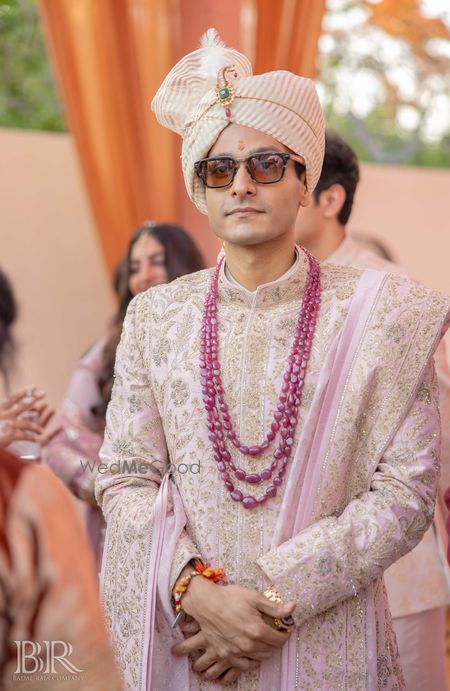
(157, 254)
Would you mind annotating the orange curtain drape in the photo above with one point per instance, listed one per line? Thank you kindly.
(104, 55)
(282, 34)
(110, 56)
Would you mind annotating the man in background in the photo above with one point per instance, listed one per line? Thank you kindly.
(418, 584)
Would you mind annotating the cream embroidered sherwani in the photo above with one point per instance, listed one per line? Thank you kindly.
(359, 493)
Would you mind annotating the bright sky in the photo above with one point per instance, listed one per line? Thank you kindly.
(436, 8)
(360, 89)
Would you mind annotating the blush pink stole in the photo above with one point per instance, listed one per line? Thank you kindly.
(309, 459)
(168, 526)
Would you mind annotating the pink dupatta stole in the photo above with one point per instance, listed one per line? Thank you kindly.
(310, 458)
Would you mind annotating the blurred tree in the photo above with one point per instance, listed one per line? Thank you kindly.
(385, 79)
(28, 97)
(404, 19)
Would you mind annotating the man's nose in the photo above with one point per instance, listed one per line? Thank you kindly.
(243, 185)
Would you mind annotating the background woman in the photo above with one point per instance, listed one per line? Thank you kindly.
(158, 253)
(48, 585)
(16, 424)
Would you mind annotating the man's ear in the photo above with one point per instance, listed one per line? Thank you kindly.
(305, 197)
(332, 200)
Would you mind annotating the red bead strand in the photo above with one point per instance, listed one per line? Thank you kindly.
(285, 417)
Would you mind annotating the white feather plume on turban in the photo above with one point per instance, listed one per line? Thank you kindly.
(280, 104)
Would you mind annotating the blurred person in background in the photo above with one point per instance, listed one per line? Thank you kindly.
(158, 253)
(48, 588)
(16, 424)
(8, 315)
(48, 585)
(418, 584)
(373, 245)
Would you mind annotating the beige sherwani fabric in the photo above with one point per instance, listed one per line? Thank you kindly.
(420, 580)
(374, 494)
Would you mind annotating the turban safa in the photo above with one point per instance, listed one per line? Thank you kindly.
(214, 85)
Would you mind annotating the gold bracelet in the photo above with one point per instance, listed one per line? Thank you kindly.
(272, 594)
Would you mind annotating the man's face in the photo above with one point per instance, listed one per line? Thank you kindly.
(247, 213)
(309, 223)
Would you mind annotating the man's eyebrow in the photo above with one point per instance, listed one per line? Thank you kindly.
(259, 150)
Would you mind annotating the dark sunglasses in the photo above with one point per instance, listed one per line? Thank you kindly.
(264, 168)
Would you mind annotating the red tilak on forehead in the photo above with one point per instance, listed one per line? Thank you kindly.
(241, 145)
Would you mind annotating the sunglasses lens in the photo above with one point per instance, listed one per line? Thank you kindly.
(218, 172)
(266, 167)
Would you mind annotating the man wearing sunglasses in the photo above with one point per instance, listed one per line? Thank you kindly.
(307, 396)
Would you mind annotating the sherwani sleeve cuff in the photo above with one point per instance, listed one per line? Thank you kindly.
(301, 575)
(337, 556)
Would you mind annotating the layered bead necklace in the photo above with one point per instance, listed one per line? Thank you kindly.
(282, 429)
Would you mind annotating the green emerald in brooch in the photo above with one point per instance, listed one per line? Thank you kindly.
(224, 93)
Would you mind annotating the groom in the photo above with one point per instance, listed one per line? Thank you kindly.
(306, 393)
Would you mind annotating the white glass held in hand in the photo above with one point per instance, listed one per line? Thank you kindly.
(27, 449)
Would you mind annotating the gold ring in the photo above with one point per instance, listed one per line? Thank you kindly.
(286, 623)
(279, 625)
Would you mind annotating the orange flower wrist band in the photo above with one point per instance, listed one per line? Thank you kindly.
(214, 575)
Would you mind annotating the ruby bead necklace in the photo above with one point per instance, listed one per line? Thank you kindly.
(281, 432)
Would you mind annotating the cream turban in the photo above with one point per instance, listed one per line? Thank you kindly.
(280, 104)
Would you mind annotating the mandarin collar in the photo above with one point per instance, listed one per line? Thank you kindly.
(287, 289)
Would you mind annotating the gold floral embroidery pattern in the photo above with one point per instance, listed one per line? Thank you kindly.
(163, 420)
